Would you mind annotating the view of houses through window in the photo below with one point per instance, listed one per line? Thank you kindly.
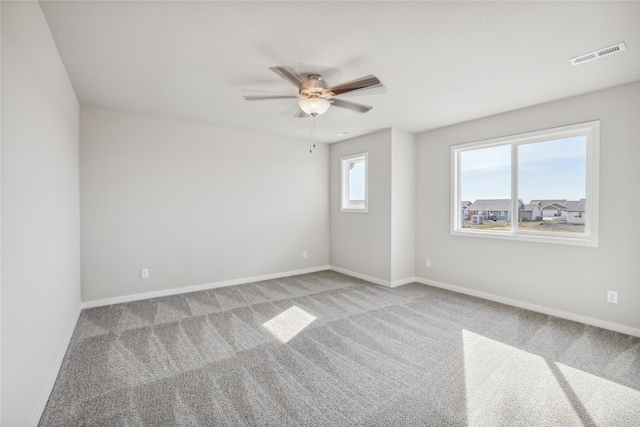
(547, 176)
(559, 215)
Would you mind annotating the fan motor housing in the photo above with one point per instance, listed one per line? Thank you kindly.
(315, 87)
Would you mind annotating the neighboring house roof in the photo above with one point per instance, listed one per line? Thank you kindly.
(575, 205)
(465, 204)
(492, 205)
(531, 206)
(556, 203)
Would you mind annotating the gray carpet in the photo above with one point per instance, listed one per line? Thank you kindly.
(363, 355)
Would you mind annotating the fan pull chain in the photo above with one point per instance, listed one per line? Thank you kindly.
(311, 138)
(312, 133)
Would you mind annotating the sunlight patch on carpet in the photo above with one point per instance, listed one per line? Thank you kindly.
(289, 323)
(606, 402)
(507, 385)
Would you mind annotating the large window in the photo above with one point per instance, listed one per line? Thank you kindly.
(353, 179)
(539, 186)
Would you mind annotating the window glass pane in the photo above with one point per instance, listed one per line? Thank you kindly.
(485, 188)
(357, 184)
(353, 183)
(555, 172)
(552, 183)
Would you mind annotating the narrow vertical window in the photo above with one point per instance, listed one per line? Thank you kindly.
(353, 179)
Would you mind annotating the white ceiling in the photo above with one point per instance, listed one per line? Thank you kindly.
(441, 62)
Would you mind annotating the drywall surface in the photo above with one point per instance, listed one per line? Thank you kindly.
(194, 204)
(40, 211)
(361, 242)
(568, 278)
(403, 205)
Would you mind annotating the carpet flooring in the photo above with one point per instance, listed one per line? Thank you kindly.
(325, 349)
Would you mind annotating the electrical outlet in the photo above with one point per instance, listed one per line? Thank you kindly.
(304, 254)
(144, 273)
(427, 263)
(612, 297)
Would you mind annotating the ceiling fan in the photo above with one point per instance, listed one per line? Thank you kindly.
(316, 96)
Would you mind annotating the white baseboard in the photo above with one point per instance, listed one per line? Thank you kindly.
(56, 369)
(404, 281)
(373, 279)
(534, 307)
(361, 276)
(195, 288)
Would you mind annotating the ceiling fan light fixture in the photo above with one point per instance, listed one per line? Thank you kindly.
(314, 106)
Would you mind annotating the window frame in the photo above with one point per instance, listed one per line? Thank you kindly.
(591, 130)
(344, 182)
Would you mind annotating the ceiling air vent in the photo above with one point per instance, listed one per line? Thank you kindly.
(598, 54)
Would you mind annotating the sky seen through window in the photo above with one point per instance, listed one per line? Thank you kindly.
(546, 170)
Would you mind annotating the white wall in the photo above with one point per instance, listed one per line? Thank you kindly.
(194, 203)
(361, 242)
(378, 245)
(40, 212)
(567, 278)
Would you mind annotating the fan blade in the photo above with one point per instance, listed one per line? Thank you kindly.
(291, 110)
(372, 90)
(367, 82)
(300, 114)
(289, 75)
(350, 105)
(267, 97)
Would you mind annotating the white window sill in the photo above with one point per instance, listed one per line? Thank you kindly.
(346, 210)
(555, 238)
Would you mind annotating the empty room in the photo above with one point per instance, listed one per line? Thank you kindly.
(320, 213)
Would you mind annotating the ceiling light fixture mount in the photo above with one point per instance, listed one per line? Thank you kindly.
(315, 90)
